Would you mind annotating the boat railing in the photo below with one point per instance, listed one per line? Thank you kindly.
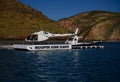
(40, 43)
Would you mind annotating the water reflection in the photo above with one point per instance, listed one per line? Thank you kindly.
(92, 65)
(59, 66)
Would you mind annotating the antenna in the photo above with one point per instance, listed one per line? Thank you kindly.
(76, 31)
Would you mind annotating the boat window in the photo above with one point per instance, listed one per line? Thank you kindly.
(46, 32)
(70, 38)
(64, 46)
(42, 47)
(28, 37)
(54, 46)
(75, 39)
(32, 37)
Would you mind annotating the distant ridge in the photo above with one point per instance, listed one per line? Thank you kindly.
(95, 25)
(19, 20)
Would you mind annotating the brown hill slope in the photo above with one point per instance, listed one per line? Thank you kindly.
(95, 25)
(17, 19)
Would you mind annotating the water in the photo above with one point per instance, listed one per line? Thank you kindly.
(84, 65)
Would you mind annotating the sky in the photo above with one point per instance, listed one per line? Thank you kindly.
(57, 9)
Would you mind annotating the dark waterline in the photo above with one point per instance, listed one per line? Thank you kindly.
(84, 65)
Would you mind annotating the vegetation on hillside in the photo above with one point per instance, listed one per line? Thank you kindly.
(95, 25)
(17, 19)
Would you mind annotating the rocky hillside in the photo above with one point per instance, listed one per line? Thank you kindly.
(19, 20)
(95, 25)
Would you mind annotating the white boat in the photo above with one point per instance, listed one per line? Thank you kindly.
(40, 37)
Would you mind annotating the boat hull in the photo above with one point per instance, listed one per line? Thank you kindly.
(54, 46)
(42, 47)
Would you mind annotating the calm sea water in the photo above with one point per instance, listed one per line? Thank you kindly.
(83, 65)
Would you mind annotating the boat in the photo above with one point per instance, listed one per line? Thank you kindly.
(36, 41)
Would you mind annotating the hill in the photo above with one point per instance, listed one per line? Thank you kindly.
(19, 20)
(95, 25)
